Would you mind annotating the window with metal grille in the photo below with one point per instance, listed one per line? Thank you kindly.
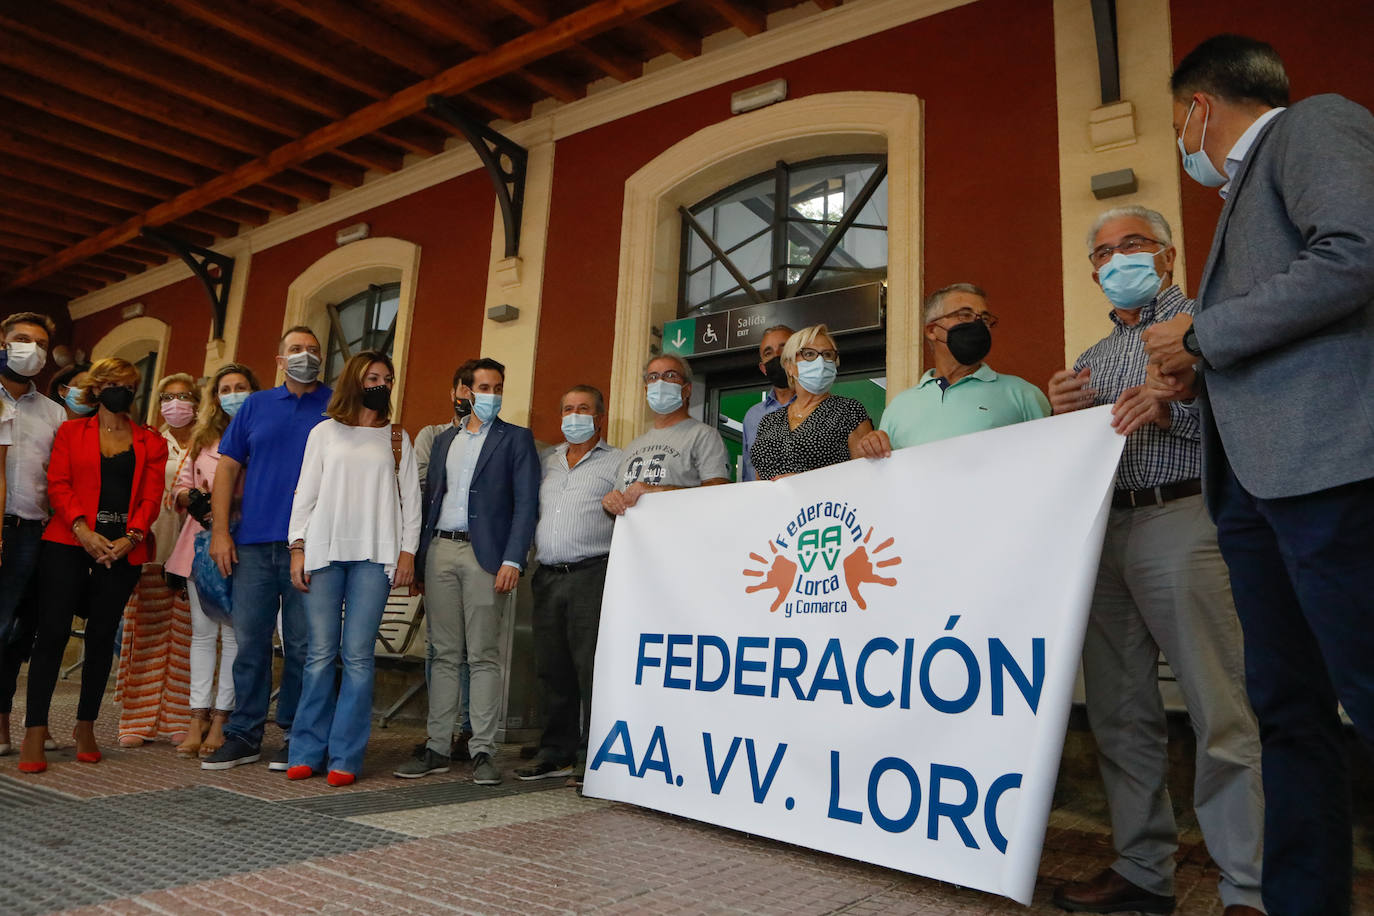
(366, 321)
(800, 228)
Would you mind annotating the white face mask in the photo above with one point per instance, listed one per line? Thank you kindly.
(303, 367)
(25, 358)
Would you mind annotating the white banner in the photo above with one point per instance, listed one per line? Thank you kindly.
(875, 659)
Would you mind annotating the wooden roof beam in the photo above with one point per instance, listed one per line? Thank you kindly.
(115, 262)
(207, 228)
(65, 288)
(117, 176)
(182, 79)
(146, 132)
(612, 62)
(455, 26)
(828, 4)
(590, 20)
(670, 36)
(533, 12)
(28, 244)
(60, 180)
(748, 19)
(270, 35)
(87, 271)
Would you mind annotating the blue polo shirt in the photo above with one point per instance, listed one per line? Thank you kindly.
(267, 436)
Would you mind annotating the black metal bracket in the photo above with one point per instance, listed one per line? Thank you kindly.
(505, 161)
(1108, 59)
(214, 269)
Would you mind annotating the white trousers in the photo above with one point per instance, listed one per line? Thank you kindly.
(205, 633)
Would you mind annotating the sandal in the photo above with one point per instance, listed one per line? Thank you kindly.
(195, 734)
(214, 739)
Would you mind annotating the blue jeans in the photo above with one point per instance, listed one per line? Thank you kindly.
(1302, 572)
(343, 610)
(262, 580)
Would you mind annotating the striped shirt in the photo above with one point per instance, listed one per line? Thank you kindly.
(572, 524)
(1153, 456)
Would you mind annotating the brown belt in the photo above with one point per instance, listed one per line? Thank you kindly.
(1156, 496)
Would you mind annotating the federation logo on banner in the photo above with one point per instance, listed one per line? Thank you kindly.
(819, 562)
(875, 659)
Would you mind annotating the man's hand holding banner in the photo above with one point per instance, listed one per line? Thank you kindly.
(875, 659)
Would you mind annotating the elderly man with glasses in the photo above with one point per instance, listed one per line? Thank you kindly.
(678, 451)
(962, 394)
(1161, 585)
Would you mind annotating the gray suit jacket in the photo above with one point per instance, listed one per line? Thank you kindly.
(1285, 308)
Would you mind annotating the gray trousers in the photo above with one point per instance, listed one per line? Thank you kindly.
(463, 616)
(1162, 585)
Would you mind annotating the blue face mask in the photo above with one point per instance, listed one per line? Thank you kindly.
(1130, 280)
(817, 375)
(73, 401)
(664, 397)
(485, 405)
(232, 401)
(578, 427)
(1197, 165)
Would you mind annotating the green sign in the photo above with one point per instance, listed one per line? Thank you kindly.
(679, 337)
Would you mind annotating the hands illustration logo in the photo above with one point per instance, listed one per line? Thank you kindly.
(779, 572)
(780, 575)
(859, 569)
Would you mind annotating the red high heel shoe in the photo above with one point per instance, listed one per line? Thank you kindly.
(299, 771)
(86, 756)
(339, 779)
(32, 766)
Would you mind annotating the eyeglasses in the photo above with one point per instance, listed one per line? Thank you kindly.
(672, 375)
(167, 397)
(1130, 245)
(107, 385)
(806, 354)
(963, 316)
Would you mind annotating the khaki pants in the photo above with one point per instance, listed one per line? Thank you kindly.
(1162, 585)
(463, 616)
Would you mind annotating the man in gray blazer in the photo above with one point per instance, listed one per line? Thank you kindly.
(1283, 344)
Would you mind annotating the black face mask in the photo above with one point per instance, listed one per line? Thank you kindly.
(377, 398)
(969, 342)
(116, 399)
(777, 375)
(461, 409)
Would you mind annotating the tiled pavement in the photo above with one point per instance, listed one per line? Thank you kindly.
(146, 833)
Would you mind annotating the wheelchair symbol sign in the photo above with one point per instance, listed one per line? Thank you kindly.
(709, 335)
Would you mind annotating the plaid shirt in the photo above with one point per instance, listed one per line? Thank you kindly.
(1153, 456)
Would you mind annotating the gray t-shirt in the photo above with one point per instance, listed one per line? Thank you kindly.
(681, 455)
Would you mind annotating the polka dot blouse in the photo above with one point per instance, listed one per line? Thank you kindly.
(822, 439)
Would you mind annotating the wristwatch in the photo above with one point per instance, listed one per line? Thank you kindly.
(1190, 342)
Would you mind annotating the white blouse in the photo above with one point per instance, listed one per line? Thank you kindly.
(351, 503)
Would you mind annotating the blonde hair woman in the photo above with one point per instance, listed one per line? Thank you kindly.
(156, 643)
(818, 428)
(224, 394)
(105, 483)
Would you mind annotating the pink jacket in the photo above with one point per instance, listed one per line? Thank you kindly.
(198, 474)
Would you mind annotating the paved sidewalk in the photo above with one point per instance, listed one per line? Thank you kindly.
(146, 833)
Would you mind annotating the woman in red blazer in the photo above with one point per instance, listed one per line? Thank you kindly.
(105, 483)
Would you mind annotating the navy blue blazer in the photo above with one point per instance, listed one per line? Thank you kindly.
(503, 499)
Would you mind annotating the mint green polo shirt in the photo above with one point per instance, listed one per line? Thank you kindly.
(978, 401)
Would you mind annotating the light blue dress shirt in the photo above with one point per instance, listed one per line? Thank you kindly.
(463, 453)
